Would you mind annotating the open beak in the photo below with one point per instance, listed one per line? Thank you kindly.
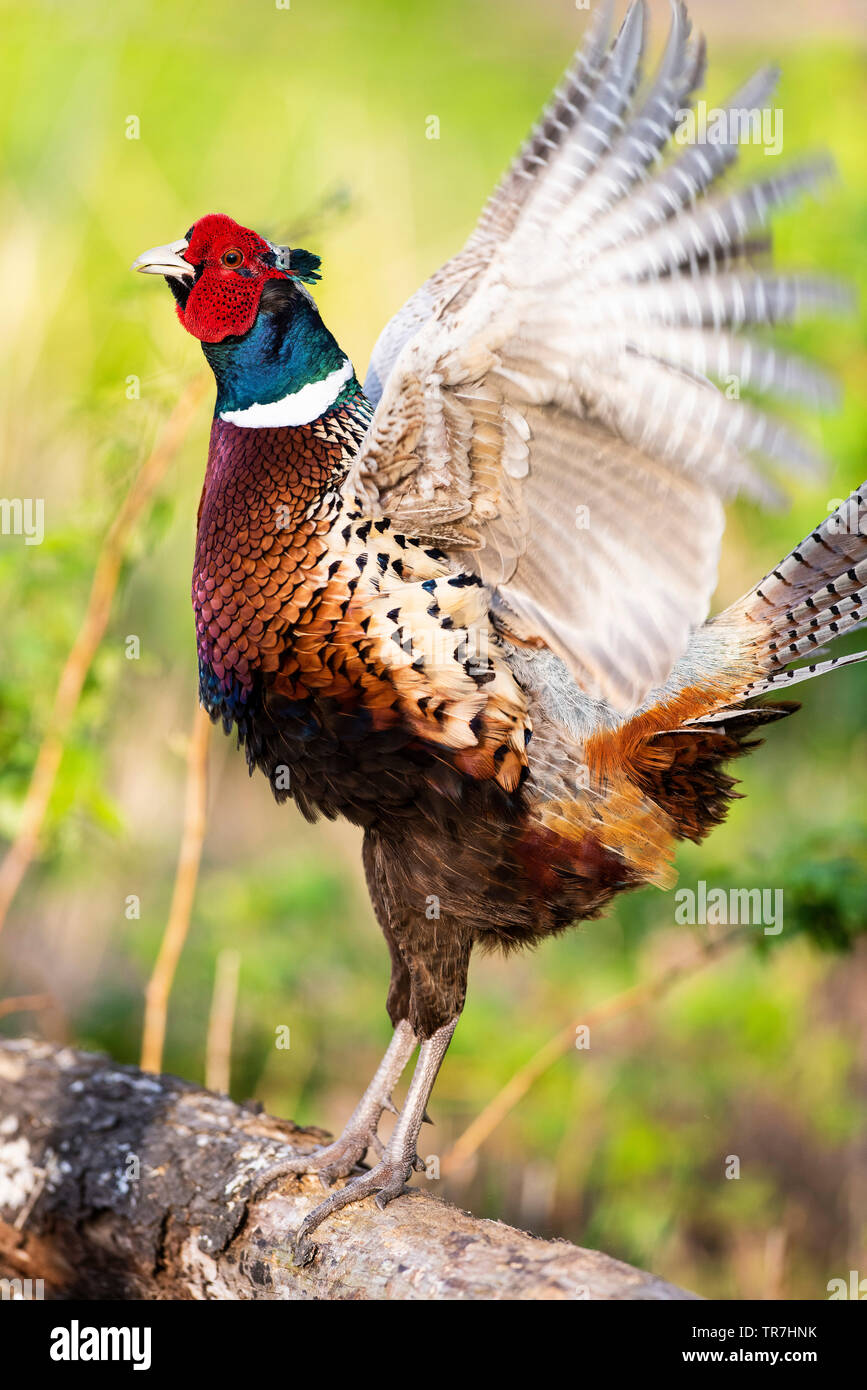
(164, 260)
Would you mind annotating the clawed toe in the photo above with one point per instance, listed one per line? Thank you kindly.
(290, 1167)
(390, 1191)
(384, 1182)
(333, 1161)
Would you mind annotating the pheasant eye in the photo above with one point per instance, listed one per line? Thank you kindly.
(232, 258)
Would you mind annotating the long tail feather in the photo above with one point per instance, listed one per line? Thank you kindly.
(815, 595)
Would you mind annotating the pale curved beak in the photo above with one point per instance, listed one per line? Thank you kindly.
(164, 260)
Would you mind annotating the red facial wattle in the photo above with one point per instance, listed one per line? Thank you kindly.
(225, 297)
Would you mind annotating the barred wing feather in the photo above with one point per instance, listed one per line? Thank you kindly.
(550, 405)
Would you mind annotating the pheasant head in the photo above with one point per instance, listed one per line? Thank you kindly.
(246, 300)
(217, 273)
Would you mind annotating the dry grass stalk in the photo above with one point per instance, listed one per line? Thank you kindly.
(26, 1003)
(218, 1052)
(159, 986)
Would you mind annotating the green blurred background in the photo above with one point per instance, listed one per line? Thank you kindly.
(311, 122)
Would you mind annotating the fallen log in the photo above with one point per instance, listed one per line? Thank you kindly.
(118, 1184)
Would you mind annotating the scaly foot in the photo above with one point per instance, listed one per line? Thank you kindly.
(384, 1182)
(332, 1161)
(338, 1158)
(387, 1179)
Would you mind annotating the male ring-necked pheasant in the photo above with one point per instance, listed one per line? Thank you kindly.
(466, 606)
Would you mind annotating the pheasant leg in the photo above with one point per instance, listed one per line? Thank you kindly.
(387, 1179)
(338, 1158)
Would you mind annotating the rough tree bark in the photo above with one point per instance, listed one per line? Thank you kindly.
(118, 1184)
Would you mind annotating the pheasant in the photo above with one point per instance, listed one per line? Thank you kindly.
(466, 606)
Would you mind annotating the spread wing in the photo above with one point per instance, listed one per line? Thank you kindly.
(560, 405)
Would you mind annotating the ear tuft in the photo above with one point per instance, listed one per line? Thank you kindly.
(300, 264)
(304, 265)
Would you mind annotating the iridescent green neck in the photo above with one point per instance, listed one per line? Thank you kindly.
(287, 352)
